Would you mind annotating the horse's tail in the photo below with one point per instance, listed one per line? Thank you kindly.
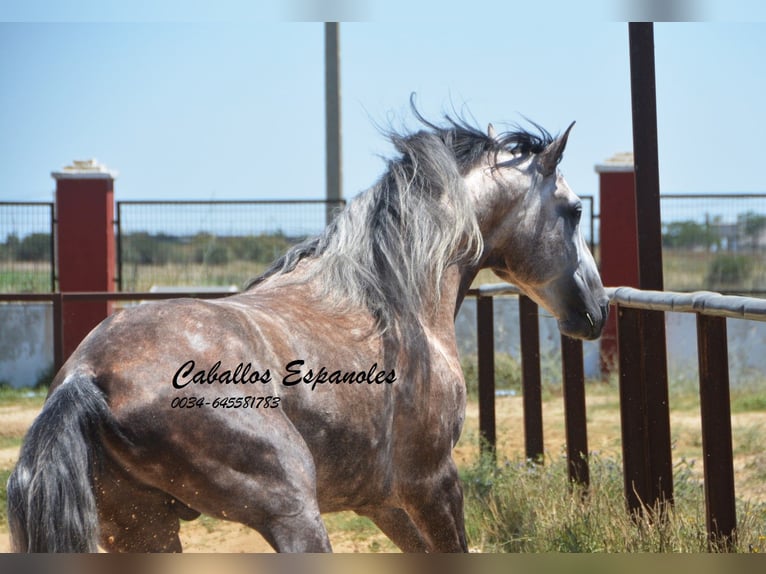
(51, 505)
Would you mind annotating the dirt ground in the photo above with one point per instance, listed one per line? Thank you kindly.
(212, 536)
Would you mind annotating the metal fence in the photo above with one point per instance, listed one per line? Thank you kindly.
(27, 248)
(221, 243)
(710, 241)
(207, 243)
(715, 242)
(645, 481)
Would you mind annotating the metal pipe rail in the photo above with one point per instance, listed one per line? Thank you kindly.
(702, 302)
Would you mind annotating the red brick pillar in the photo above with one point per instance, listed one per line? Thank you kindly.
(85, 244)
(618, 239)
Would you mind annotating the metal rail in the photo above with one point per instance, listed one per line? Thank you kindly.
(702, 302)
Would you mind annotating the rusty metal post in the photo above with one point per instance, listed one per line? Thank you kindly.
(649, 379)
(334, 168)
(58, 330)
(574, 410)
(632, 411)
(53, 246)
(530, 378)
(645, 154)
(485, 327)
(715, 407)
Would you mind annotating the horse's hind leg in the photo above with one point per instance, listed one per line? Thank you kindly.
(279, 502)
(436, 508)
(304, 532)
(137, 518)
(398, 526)
(264, 479)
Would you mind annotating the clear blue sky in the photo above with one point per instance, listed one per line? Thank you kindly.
(225, 107)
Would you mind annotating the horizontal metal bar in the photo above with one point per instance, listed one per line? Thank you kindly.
(114, 296)
(754, 195)
(26, 203)
(490, 289)
(702, 302)
(228, 201)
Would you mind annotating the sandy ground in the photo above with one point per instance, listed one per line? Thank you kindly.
(205, 535)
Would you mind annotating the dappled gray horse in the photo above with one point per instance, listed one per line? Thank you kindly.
(331, 383)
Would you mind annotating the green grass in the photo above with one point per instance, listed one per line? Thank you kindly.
(26, 280)
(359, 529)
(747, 439)
(25, 397)
(683, 270)
(748, 402)
(10, 441)
(4, 474)
(507, 373)
(519, 507)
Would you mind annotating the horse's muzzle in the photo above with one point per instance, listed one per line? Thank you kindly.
(586, 325)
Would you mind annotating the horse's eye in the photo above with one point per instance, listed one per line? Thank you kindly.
(572, 211)
(577, 212)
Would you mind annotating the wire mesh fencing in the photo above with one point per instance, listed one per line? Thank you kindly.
(715, 242)
(164, 244)
(27, 255)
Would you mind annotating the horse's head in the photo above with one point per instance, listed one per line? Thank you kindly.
(530, 220)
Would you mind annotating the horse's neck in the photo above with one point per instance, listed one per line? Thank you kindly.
(455, 284)
(303, 283)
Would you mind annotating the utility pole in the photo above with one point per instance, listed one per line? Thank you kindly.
(332, 119)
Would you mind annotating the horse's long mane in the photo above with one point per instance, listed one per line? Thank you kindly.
(388, 249)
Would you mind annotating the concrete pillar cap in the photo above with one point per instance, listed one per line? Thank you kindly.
(84, 169)
(619, 162)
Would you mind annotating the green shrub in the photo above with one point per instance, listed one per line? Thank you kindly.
(728, 271)
(507, 373)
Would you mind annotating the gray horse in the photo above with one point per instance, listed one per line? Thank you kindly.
(331, 383)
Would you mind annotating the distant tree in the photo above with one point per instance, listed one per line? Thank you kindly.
(10, 248)
(145, 249)
(752, 225)
(12, 242)
(689, 234)
(209, 250)
(263, 248)
(729, 271)
(35, 247)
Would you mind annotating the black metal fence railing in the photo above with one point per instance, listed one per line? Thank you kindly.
(27, 247)
(207, 243)
(711, 242)
(714, 242)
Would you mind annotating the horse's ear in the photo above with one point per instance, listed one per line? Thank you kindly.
(491, 133)
(551, 155)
